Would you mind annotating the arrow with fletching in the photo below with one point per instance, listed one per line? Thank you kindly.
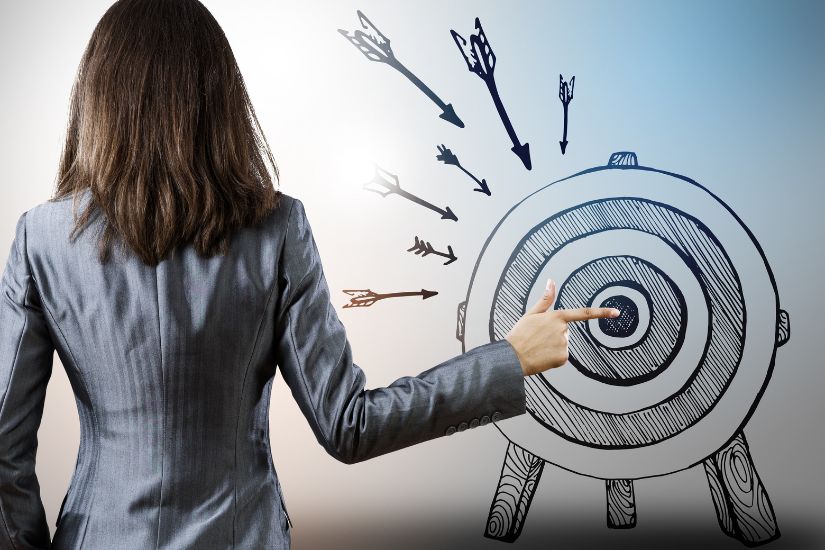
(482, 61)
(449, 158)
(376, 47)
(366, 297)
(383, 186)
(424, 248)
(566, 96)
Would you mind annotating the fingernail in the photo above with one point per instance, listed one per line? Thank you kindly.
(547, 287)
(615, 312)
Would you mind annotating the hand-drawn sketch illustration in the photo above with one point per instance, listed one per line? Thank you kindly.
(376, 47)
(482, 61)
(449, 158)
(423, 248)
(366, 297)
(565, 96)
(668, 385)
(381, 184)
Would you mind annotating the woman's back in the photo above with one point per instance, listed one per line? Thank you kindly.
(172, 367)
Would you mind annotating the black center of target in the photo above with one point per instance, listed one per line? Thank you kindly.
(626, 323)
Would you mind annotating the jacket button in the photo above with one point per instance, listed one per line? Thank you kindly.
(474, 423)
(497, 416)
(485, 420)
(462, 426)
(450, 430)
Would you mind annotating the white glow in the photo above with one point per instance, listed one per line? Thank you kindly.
(352, 164)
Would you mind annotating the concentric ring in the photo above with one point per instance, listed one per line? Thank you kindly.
(626, 331)
(636, 357)
(703, 255)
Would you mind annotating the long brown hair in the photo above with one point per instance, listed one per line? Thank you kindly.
(163, 134)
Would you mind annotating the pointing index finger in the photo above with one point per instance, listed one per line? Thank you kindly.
(586, 313)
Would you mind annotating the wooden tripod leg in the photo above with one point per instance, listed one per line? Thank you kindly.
(517, 484)
(742, 504)
(621, 503)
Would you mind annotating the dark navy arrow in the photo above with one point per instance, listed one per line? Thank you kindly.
(566, 96)
(482, 61)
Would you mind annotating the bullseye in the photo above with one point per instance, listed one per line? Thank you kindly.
(625, 324)
(636, 305)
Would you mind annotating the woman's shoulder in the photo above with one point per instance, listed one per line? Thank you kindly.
(56, 214)
(52, 212)
(57, 206)
(289, 210)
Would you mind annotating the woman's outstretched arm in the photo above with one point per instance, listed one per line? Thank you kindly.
(26, 355)
(354, 423)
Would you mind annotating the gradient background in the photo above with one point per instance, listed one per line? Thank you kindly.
(728, 93)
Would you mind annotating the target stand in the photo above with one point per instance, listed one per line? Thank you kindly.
(667, 385)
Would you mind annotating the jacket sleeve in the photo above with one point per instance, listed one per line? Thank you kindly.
(26, 354)
(355, 424)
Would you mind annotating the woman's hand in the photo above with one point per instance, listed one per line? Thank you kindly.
(540, 337)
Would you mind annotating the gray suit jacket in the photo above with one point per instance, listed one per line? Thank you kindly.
(172, 369)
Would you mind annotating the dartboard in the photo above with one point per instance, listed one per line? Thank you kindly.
(667, 383)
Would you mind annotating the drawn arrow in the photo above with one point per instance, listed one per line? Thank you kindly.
(383, 186)
(424, 248)
(448, 157)
(366, 297)
(566, 96)
(482, 61)
(376, 47)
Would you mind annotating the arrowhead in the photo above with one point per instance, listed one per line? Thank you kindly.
(563, 146)
(452, 256)
(523, 152)
(483, 189)
(427, 294)
(449, 215)
(450, 116)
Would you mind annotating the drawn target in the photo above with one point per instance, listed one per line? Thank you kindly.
(667, 385)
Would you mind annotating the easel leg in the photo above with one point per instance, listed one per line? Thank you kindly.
(742, 504)
(517, 484)
(621, 503)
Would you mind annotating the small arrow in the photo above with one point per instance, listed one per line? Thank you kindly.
(448, 157)
(566, 96)
(482, 61)
(383, 186)
(366, 297)
(376, 47)
(423, 248)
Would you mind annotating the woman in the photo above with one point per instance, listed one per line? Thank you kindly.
(171, 277)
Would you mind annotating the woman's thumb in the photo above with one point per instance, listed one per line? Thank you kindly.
(547, 298)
